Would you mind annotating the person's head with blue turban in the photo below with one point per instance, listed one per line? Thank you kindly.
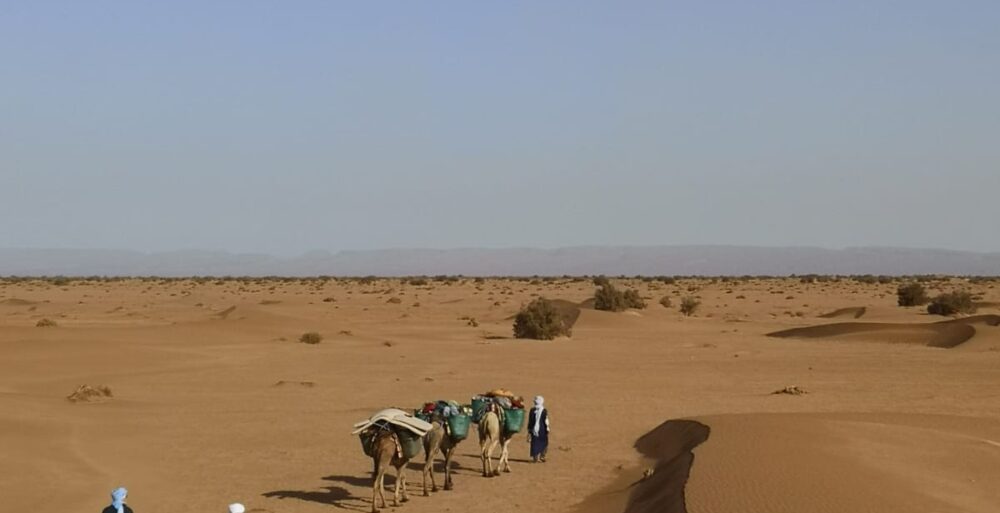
(118, 496)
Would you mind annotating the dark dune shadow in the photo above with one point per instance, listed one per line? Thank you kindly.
(331, 495)
(671, 445)
(660, 488)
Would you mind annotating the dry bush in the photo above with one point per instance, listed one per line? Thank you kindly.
(911, 294)
(311, 338)
(89, 394)
(951, 303)
(665, 301)
(540, 320)
(608, 298)
(46, 323)
(689, 305)
(634, 300)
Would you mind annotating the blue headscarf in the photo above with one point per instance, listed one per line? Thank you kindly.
(118, 499)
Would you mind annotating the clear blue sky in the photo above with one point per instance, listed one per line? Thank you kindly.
(282, 127)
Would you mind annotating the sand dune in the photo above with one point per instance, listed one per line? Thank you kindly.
(816, 462)
(944, 334)
(879, 463)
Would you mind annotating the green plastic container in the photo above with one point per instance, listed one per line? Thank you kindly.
(459, 426)
(478, 407)
(513, 420)
(409, 441)
(366, 437)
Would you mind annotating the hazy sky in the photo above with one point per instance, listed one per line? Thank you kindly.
(287, 126)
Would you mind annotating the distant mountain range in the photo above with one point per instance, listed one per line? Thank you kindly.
(658, 260)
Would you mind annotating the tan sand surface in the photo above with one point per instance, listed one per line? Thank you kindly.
(198, 418)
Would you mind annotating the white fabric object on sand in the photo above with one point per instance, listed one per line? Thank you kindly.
(236, 508)
(395, 417)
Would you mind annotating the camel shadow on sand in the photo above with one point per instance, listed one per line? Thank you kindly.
(339, 496)
(330, 495)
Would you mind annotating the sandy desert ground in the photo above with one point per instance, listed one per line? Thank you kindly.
(215, 401)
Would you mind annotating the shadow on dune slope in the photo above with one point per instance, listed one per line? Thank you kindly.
(853, 311)
(671, 445)
(660, 488)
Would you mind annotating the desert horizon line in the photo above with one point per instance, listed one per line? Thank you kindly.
(332, 252)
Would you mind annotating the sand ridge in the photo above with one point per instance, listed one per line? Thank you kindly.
(945, 334)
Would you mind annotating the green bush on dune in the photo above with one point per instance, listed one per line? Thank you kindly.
(912, 294)
(952, 303)
(610, 299)
(540, 320)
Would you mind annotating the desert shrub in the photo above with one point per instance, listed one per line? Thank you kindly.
(609, 299)
(418, 282)
(911, 294)
(952, 303)
(665, 301)
(633, 299)
(540, 320)
(601, 281)
(311, 338)
(46, 323)
(689, 305)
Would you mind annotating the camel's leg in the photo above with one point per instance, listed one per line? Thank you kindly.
(428, 463)
(504, 453)
(482, 455)
(429, 469)
(377, 489)
(395, 492)
(447, 468)
(488, 457)
(402, 477)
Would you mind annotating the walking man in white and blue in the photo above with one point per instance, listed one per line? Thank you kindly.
(538, 430)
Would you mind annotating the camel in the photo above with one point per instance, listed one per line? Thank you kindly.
(437, 440)
(386, 451)
(491, 433)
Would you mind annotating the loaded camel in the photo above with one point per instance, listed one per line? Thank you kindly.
(437, 439)
(386, 451)
(491, 434)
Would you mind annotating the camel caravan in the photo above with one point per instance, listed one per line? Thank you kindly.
(392, 437)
